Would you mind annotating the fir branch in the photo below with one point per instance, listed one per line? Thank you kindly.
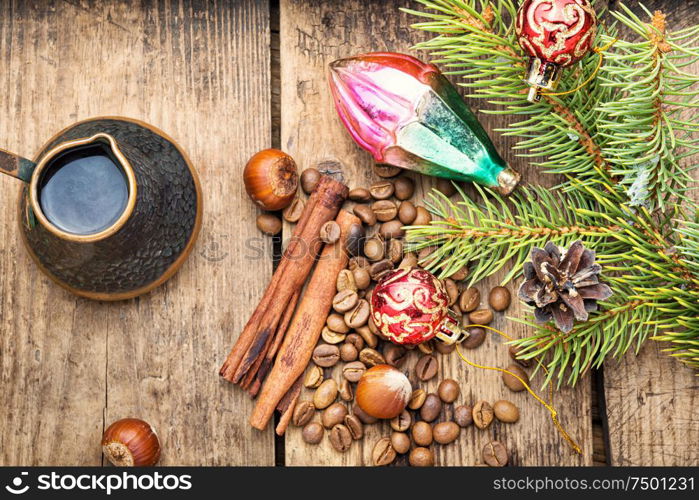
(644, 129)
(622, 325)
(488, 235)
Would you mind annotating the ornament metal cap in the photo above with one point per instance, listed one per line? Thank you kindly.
(449, 331)
(541, 75)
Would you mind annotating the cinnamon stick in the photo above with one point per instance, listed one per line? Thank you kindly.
(291, 274)
(305, 328)
(287, 405)
(258, 372)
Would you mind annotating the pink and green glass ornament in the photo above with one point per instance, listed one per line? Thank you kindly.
(406, 113)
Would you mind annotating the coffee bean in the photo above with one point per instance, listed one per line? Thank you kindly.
(345, 390)
(361, 278)
(392, 229)
(505, 411)
(382, 190)
(359, 194)
(444, 348)
(499, 298)
(426, 368)
(333, 415)
(407, 213)
(368, 336)
(417, 399)
(359, 315)
(358, 263)
(495, 454)
(482, 414)
(293, 212)
(446, 187)
(313, 433)
(355, 426)
(395, 250)
(364, 416)
(463, 415)
(345, 281)
(452, 290)
(402, 422)
(404, 188)
(513, 350)
(374, 249)
(326, 355)
(461, 274)
(348, 352)
(481, 317)
(309, 180)
(356, 236)
(400, 442)
(314, 377)
(365, 214)
(422, 217)
(426, 347)
(409, 261)
(331, 337)
(325, 394)
(340, 438)
(386, 171)
(303, 413)
(446, 432)
(513, 383)
(269, 224)
(383, 452)
(476, 336)
(378, 269)
(448, 390)
(395, 355)
(353, 371)
(345, 300)
(384, 210)
(371, 357)
(421, 457)
(422, 433)
(469, 300)
(356, 340)
(336, 322)
(431, 408)
(330, 232)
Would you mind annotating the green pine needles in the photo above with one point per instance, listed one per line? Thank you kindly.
(625, 146)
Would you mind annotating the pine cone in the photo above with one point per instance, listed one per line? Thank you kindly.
(563, 285)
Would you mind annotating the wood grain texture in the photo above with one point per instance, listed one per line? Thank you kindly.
(313, 33)
(200, 71)
(652, 400)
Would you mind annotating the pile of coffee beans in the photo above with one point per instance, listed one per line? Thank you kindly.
(351, 343)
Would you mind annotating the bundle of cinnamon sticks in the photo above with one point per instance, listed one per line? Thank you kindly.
(277, 342)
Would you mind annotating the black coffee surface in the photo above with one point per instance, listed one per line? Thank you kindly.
(84, 190)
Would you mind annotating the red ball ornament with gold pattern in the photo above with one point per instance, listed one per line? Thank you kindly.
(411, 306)
(555, 34)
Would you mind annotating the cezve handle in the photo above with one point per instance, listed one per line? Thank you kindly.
(16, 166)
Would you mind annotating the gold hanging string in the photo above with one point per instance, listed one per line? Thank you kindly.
(548, 406)
(599, 51)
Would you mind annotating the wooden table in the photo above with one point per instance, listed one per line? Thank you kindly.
(226, 79)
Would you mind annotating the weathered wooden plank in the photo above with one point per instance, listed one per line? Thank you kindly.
(313, 33)
(652, 400)
(200, 71)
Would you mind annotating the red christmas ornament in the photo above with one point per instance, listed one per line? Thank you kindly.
(410, 306)
(555, 34)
